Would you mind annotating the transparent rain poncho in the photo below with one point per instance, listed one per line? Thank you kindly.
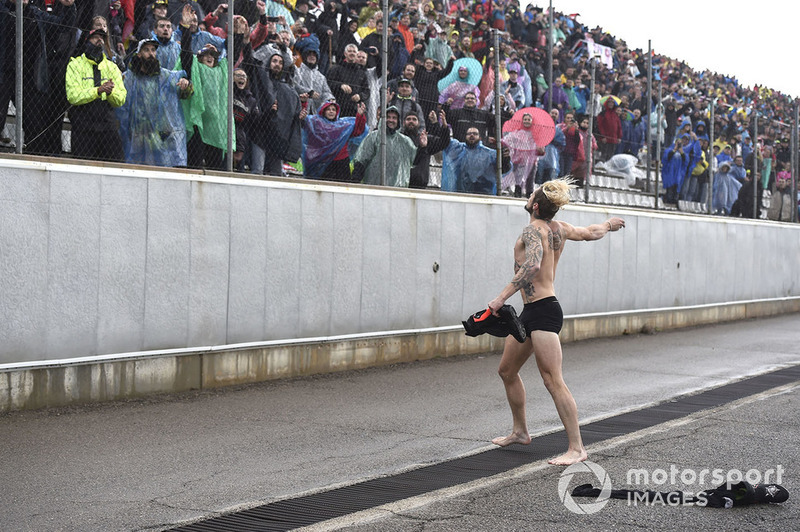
(400, 153)
(151, 120)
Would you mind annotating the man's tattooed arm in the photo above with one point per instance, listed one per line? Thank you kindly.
(523, 280)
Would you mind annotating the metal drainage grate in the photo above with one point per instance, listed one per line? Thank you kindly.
(307, 510)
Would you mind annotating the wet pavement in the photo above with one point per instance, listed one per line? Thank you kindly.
(169, 460)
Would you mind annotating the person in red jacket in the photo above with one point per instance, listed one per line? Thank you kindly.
(609, 129)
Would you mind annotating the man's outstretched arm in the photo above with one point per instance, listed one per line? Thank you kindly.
(525, 272)
(592, 232)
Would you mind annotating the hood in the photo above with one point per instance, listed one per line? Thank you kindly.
(325, 105)
(399, 119)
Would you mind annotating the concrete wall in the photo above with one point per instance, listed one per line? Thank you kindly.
(134, 261)
(120, 282)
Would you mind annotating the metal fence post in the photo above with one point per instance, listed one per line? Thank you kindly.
(19, 73)
(649, 108)
(710, 195)
(550, 58)
(588, 147)
(384, 86)
(231, 61)
(755, 162)
(498, 133)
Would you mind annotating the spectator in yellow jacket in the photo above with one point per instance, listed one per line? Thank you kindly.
(95, 88)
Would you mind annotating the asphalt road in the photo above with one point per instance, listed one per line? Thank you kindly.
(150, 464)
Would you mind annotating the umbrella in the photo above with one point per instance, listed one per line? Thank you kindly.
(604, 99)
(543, 129)
(474, 73)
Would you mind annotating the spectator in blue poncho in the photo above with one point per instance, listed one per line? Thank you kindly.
(169, 49)
(674, 164)
(151, 120)
(470, 166)
(325, 142)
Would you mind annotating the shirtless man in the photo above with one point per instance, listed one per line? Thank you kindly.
(536, 255)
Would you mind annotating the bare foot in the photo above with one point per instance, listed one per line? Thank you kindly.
(503, 441)
(570, 457)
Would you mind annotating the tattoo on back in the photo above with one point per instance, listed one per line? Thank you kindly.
(555, 238)
(523, 280)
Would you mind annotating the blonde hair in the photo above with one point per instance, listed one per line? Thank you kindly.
(557, 190)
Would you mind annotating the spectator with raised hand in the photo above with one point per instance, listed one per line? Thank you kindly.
(400, 153)
(206, 112)
(278, 136)
(426, 81)
(470, 166)
(470, 116)
(175, 9)
(188, 22)
(348, 82)
(95, 88)
(326, 137)
(436, 137)
(151, 120)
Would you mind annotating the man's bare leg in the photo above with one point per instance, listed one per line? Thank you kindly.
(548, 358)
(514, 356)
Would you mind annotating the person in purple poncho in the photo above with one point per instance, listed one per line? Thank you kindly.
(325, 139)
(453, 91)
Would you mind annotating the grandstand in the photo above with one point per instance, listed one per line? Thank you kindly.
(559, 58)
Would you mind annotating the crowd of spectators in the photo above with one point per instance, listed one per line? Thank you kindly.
(146, 82)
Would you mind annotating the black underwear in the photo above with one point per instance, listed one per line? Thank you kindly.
(542, 315)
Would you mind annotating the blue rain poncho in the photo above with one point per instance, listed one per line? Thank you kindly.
(323, 139)
(466, 169)
(151, 121)
(674, 165)
(726, 191)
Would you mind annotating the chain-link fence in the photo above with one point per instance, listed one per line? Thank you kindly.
(297, 88)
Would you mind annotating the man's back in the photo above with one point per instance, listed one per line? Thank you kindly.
(545, 241)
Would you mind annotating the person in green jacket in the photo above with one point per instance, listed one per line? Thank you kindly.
(95, 88)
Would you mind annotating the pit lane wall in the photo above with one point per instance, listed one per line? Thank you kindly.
(122, 282)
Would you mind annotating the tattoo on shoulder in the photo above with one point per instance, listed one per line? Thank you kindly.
(556, 237)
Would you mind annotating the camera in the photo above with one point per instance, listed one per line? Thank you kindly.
(272, 19)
